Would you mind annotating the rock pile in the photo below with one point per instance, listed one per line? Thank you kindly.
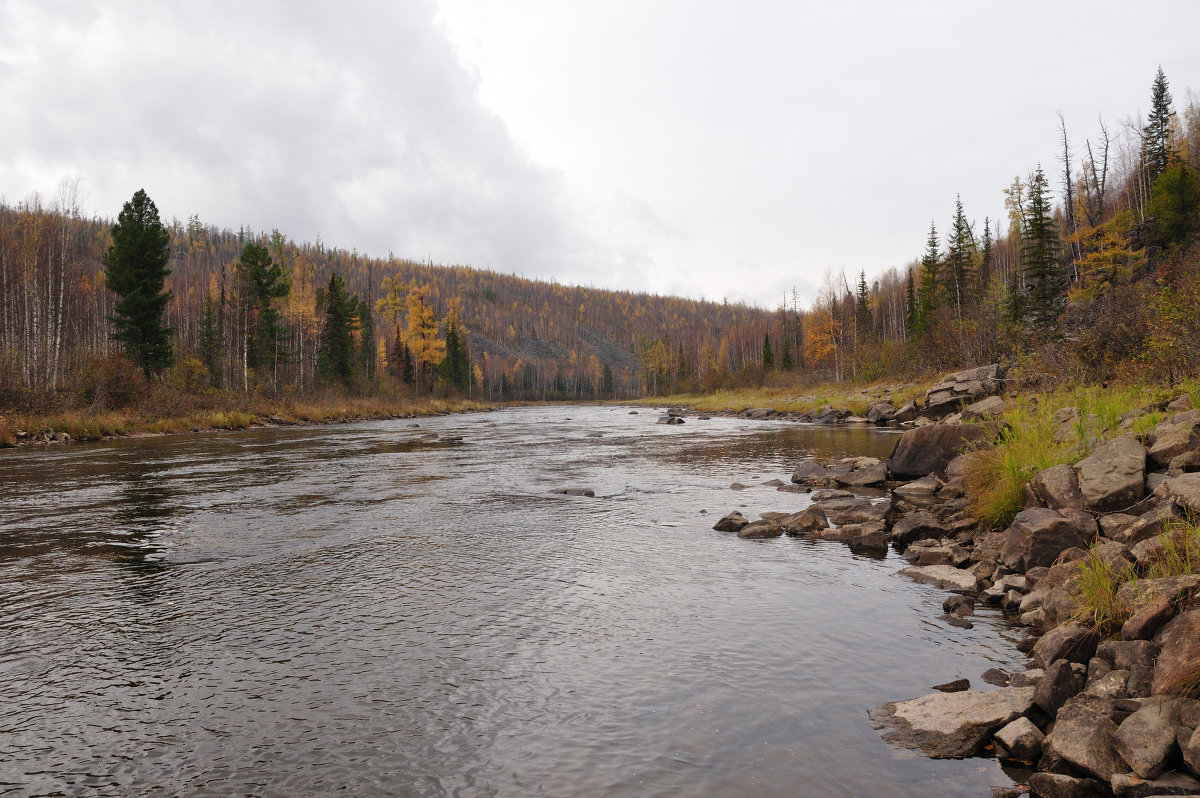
(1095, 716)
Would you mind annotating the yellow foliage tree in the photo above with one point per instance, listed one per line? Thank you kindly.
(427, 349)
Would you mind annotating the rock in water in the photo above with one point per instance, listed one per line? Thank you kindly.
(951, 725)
(574, 492)
(924, 450)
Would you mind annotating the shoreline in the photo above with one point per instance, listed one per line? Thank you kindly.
(1093, 548)
(24, 431)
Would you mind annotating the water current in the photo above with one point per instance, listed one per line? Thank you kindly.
(372, 610)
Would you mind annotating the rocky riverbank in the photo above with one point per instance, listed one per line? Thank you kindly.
(1096, 566)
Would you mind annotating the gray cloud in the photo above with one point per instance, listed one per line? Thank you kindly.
(354, 123)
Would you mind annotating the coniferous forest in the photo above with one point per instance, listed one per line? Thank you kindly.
(1089, 270)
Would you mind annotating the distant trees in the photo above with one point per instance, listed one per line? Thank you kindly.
(137, 273)
(261, 281)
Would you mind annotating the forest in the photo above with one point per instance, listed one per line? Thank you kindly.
(1091, 273)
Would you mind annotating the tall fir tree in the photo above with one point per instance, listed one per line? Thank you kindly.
(335, 355)
(1041, 254)
(136, 271)
(911, 311)
(862, 309)
(1156, 135)
(262, 280)
(960, 261)
(985, 266)
(456, 367)
(929, 298)
(367, 350)
(768, 357)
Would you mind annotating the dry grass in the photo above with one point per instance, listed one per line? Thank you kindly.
(855, 397)
(224, 411)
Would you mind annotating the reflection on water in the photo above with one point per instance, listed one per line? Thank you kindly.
(366, 608)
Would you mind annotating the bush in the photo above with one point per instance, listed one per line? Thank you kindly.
(109, 381)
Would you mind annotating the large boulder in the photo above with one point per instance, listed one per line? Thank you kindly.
(1021, 740)
(734, 522)
(1146, 739)
(1183, 490)
(881, 412)
(871, 475)
(804, 523)
(1172, 440)
(1038, 535)
(925, 450)
(1083, 736)
(1114, 477)
(984, 409)
(917, 526)
(951, 725)
(1070, 641)
(1058, 488)
(765, 528)
(962, 386)
(1178, 668)
(1128, 785)
(921, 492)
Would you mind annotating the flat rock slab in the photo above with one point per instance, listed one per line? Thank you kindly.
(1114, 477)
(1184, 490)
(946, 577)
(951, 725)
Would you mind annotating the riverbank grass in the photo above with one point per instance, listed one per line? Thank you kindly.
(1033, 439)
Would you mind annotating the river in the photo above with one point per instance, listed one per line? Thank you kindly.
(368, 609)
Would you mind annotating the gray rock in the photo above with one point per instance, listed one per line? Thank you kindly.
(916, 526)
(1183, 490)
(1070, 641)
(1112, 685)
(574, 492)
(997, 677)
(1176, 589)
(921, 492)
(1062, 681)
(951, 725)
(1029, 678)
(1170, 441)
(1058, 488)
(1058, 785)
(959, 605)
(1039, 535)
(766, 528)
(1178, 667)
(925, 450)
(734, 522)
(1114, 477)
(955, 686)
(1189, 744)
(1145, 622)
(860, 512)
(804, 523)
(872, 541)
(907, 412)
(962, 386)
(881, 412)
(864, 477)
(669, 420)
(1021, 740)
(990, 407)
(1146, 739)
(1127, 654)
(1127, 785)
(946, 577)
(1083, 736)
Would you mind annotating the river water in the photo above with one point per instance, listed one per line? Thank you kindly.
(366, 609)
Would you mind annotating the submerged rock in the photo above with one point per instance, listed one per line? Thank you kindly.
(574, 492)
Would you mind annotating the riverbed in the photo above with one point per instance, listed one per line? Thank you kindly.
(371, 609)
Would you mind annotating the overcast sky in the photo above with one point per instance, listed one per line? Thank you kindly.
(709, 149)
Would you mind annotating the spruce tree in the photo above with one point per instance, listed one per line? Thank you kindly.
(212, 342)
(910, 305)
(136, 271)
(1156, 135)
(367, 351)
(768, 357)
(1041, 252)
(262, 280)
(928, 300)
(960, 278)
(862, 309)
(335, 355)
(985, 267)
(785, 359)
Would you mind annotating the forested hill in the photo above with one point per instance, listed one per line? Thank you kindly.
(525, 338)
